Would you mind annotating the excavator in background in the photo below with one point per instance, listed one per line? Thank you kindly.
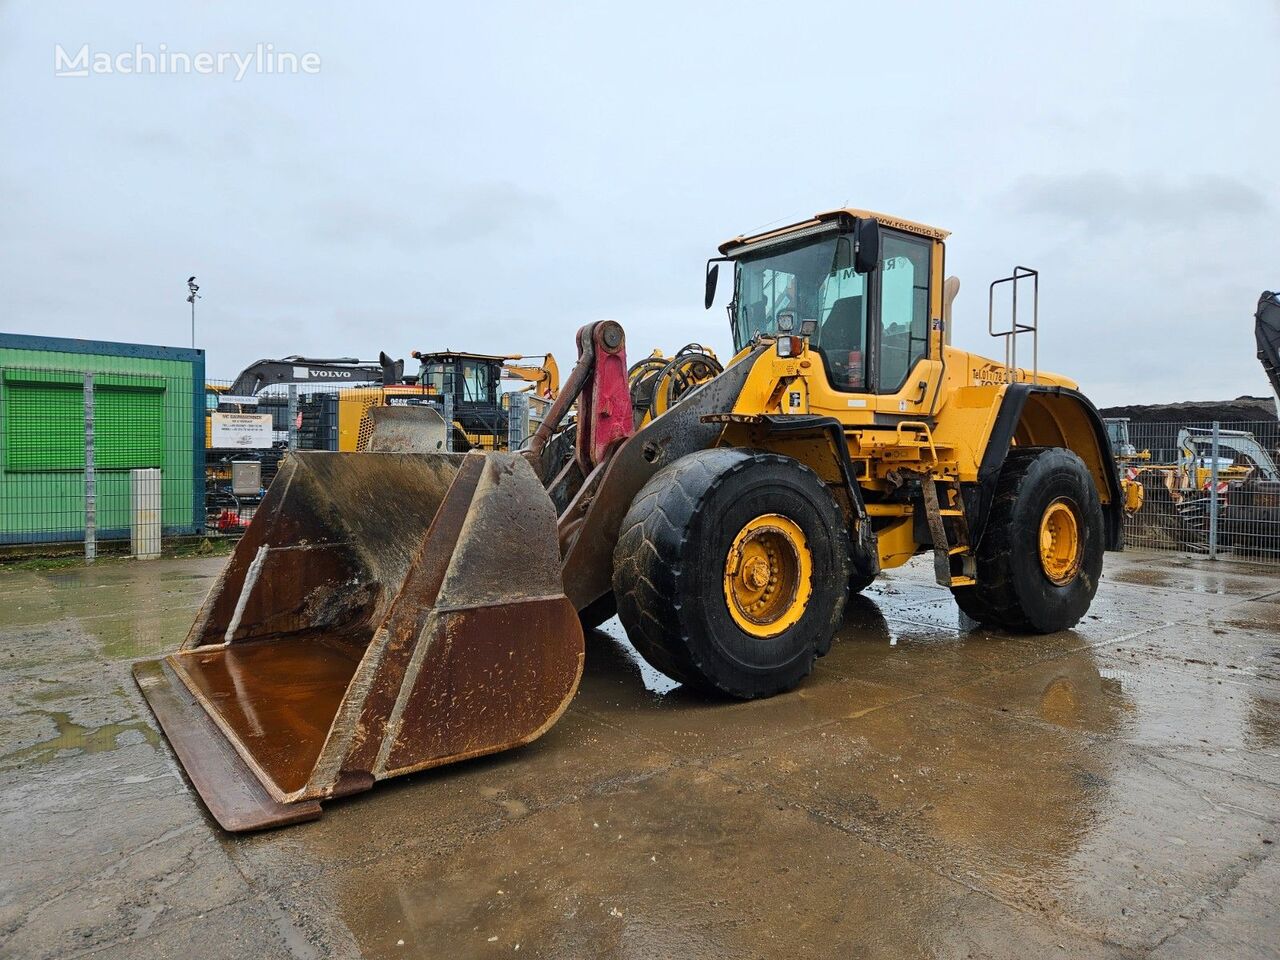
(388, 612)
(1248, 492)
(476, 403)
(339, 419)
(353, 394)
(236, 477)
(335, 371)
(1177, 489)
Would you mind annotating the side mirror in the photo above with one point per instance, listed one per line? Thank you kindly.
(713, 274)
(866, 250)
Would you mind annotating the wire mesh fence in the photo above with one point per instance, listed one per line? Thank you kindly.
(1208, 489)
(71, 442)
(121, 460)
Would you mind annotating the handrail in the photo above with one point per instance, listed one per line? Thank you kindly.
(918, 425)
(1016, 328)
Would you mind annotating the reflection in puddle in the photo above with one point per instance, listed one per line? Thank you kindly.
(654, 680)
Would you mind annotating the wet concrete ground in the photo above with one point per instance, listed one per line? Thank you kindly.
(1109, 791)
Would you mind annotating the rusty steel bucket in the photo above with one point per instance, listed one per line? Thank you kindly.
(383, 613)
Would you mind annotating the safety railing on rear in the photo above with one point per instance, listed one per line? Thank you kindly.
(1017, 327)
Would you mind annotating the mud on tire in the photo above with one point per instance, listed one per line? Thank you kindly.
(1013, 590)
(669, 570)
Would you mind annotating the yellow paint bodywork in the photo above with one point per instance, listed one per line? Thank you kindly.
(939, 422)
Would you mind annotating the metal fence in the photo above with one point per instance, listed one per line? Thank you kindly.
(1208, 489)
(119, 460)
(116, 461)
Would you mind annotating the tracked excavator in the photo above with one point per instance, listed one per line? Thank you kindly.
(388, 612)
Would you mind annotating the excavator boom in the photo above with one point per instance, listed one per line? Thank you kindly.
(1267, 330)
(334, 371)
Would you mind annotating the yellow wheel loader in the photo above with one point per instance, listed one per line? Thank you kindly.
(388, 612)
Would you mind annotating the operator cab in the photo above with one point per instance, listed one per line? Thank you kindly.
(857, 283)
(472, 378)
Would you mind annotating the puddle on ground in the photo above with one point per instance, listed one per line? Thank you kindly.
(654, 681)
(145, 633)
(79, 739)
(1192, 579)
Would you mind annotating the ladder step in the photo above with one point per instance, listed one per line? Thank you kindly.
(963, 581)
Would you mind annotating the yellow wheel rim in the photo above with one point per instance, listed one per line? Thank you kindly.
(1060, 542)
(768, 575)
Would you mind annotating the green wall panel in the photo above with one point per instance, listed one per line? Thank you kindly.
(143, 418)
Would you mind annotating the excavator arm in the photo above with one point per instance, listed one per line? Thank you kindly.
(334, 370)
(544, 376)
(1267, 329)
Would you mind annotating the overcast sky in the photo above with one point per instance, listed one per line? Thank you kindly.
(489, 176)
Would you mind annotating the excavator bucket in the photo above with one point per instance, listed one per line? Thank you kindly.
(383, 613)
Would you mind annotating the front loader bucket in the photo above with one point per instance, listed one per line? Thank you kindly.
(383, 613)
(405, 429)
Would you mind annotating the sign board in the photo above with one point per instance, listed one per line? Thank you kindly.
(244, 431)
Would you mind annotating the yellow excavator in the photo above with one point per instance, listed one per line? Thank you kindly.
(473, 383)
(388, 612)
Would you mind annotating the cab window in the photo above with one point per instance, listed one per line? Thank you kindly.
(475, 382)
(842, 324)
(433, 378)
(904, 308)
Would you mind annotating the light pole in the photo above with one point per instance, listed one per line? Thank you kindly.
(192, 297)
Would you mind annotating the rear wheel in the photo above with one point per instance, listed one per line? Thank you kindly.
(732, 571)
(1040, 556)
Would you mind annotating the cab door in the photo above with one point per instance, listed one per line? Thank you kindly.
(901, 374)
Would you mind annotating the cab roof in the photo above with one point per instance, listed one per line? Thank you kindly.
(887, 220)
(439, 355)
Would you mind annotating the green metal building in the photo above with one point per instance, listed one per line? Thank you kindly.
(67, 405)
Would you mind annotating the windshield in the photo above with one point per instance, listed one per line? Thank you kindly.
(808, 281)
(814, 280)
(779, 281)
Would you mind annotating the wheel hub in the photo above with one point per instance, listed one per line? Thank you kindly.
(768, 575)
(1060, 544)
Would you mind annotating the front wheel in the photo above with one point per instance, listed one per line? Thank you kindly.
(732, 571)
(1040, 556)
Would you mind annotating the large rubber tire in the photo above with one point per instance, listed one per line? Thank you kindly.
(669, 567)
(1013, 591)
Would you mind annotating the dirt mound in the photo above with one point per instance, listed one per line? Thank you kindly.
(1239, 410)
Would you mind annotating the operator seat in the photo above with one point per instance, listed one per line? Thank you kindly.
(841, 346)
